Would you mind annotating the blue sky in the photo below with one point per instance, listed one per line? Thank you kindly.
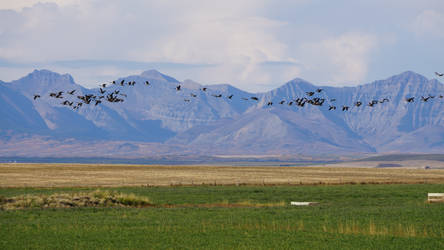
(254, 45)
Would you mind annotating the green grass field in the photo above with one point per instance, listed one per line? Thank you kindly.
(349, 216)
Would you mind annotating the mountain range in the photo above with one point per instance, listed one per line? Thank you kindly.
(156, 120)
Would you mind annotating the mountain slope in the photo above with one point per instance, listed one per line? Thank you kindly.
(208, 122)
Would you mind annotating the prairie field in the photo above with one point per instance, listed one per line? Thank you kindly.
(201, 207)
(114, 175)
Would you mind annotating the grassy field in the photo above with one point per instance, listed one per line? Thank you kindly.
(87, 175)
(169, 207)
(384, 216)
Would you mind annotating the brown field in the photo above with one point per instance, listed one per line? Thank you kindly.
(109, 175)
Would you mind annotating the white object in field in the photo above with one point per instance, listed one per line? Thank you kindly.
(303, 203)
(435, 197)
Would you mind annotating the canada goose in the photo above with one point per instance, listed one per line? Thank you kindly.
(36, 96)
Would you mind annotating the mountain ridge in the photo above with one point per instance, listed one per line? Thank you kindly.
(207, 124)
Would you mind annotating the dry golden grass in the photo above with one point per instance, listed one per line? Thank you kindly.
(109, 175)
(98, 198)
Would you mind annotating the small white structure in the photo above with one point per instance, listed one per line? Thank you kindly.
(303, 203)
(435, 197)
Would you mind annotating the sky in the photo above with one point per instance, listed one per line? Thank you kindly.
(255, 45)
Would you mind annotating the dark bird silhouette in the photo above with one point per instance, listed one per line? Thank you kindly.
(358, 103)
(441, 96)
(178, 87)
(269, 103)
(311, 93)
(59, 95)
(103, 85)
(282, 102)
(204, 89)
(102, 91)
(432, 96)
(98, 102)
(52, 94)
(319, 90)
(439, 74)
(425, 99)
(122, 82)
(72, 92)
(254, 98)
(36, 96)
(218, 96)
(290, 103)
(113, 82)
(187, 100)
(371, 104)
(332, 107)
(345, 108)
(193, 95)
(333, 100)
(410, 99)
(384, 100)
(147, 83)
(230, 96)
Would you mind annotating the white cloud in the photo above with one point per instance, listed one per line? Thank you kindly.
(429, 23)
(231, 34)
(343, 59)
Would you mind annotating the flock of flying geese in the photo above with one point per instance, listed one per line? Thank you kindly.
(115, 96)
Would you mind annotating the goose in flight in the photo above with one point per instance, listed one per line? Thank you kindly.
(36, 96)
(230, 96)
(319, 90)
(410, 99)
(358, 103)
(332, 107)
(147, 83)
(178, 87)
(345, 108)
(72, 92)
(439, 74)
(282, 102)
(425, 99)
(311, 93)
(254, 98)
(269, 103)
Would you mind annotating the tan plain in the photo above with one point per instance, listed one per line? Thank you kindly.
(112, 175)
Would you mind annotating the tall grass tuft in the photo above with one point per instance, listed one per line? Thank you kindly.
(98, 198)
